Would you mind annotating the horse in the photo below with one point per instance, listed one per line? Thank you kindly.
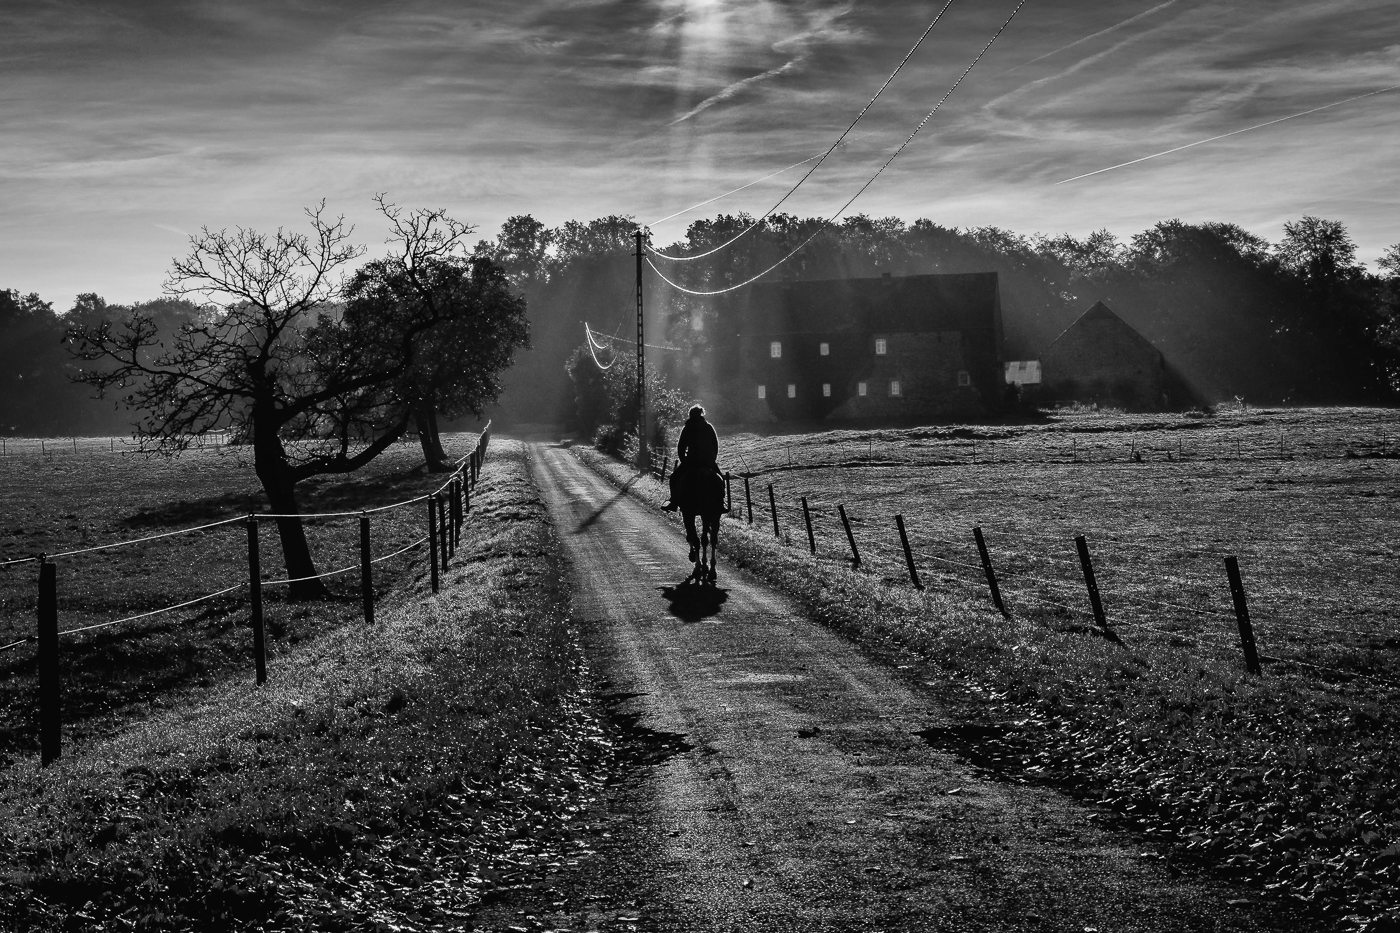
(702, 494)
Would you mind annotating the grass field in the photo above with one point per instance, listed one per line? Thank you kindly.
(1315, 525)
(1289, 781)
(69, 501)
(387, 776)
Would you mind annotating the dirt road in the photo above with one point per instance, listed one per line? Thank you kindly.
(786, 787)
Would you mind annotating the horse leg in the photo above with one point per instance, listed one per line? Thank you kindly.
(712, 536)
(691, 537)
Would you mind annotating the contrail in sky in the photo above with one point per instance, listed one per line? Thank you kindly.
(1102, 32)
(1335, 103)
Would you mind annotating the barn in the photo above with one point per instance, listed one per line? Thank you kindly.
(1101, 359)
(887, 349)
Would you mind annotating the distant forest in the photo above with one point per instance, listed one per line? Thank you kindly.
(1297, 322)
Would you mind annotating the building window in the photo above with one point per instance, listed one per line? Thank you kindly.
(826, 390)
(964, 378)
(826, 349)
(880, 346)
(775, 349)
(860, 388)
(762, 391)
(792, 390)
(894, 388)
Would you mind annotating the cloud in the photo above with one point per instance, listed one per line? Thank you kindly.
(127, 117)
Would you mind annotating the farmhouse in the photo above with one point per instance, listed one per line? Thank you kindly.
(1100, 358)
(872, 349)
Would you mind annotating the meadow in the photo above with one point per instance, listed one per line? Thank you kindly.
(1288, 781)
(389, 775)
(59, 499)
(1308, 502)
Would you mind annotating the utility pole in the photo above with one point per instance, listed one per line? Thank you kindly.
(643, 454)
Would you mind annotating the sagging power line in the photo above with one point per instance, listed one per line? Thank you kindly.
(870, 181)
(822, 158)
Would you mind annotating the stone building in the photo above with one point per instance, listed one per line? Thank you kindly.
(1101, 359)
(877, 349)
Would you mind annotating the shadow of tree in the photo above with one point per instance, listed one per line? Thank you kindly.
(314, 495)
(692, 602)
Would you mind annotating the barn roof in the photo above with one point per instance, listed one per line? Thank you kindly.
(911, 303)
(1101, 315)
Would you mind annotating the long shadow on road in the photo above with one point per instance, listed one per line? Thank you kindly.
(592, 519)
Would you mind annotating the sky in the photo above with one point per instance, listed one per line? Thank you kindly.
(127, 126)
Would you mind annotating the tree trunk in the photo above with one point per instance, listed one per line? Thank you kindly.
(425, 419)
(270, 463)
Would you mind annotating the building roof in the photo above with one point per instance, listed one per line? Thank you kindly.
(1099, 316)
(904, 304)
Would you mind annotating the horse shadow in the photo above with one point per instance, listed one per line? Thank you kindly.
(694, 602)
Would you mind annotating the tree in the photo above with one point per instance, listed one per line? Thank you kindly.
(605, 387)
(459, 314)
(274, 358)
(31, 358)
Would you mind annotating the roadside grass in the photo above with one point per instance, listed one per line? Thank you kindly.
(1289, 782)
(110, 675)
(386, 777)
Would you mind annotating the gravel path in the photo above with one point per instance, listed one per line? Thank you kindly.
(778, 781)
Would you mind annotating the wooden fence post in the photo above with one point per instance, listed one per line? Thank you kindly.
(50, 693)
(748, 499)
(728, 494)
(466, 497)
(908, 554)
(665, 462)
(456, 493)
(807, 517)
(1089, 583)
(1251, 654)
(442, 529)
(987, 569)
(773, 508)
(255, 605)
(432, 542)
(366, 570)
(855, 554)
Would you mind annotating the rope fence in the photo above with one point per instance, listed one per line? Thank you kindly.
(447, 508)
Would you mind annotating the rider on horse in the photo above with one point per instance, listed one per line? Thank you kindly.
(696, 450)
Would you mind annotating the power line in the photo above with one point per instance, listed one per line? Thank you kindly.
(820, 160)
(827, 223)
(594, 352)
(1201, 142)
(649, 346)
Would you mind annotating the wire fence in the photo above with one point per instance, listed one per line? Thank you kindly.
(446, 508)
(1192, 597)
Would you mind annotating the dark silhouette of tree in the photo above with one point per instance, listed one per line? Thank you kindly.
(459, 313)
(31, 360)
(274, 357)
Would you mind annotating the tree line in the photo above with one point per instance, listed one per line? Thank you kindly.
(1300, 321)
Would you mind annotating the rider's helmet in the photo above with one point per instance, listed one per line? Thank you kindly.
(697, 412)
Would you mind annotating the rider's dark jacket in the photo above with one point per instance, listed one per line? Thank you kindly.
(698, 444)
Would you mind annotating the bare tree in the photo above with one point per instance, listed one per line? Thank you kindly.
(273, 358)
